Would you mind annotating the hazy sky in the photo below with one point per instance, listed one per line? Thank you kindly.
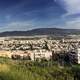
(30, 14)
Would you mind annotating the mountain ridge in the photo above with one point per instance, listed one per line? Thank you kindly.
(41, 31)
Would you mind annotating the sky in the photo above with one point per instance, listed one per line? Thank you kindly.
(22, 15)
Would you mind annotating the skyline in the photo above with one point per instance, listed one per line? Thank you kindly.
(21, 15)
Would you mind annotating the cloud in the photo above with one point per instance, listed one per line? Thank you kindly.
(72, 24)
(17, 26)
(71, 6)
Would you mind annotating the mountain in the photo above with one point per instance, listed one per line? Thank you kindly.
(41, 31)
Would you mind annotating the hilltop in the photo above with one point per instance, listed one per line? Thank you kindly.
(41, 31)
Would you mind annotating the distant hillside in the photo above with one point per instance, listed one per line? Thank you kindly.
(41, 31)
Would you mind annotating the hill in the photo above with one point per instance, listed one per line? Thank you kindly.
(41, 31)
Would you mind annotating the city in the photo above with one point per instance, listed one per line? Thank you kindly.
(26, 48)
(39, 39)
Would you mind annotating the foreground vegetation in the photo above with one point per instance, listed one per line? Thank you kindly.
(26, 70)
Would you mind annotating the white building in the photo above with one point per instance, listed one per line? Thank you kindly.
(34, 55)
(78, 55)
(39, 54)
(20, 54)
